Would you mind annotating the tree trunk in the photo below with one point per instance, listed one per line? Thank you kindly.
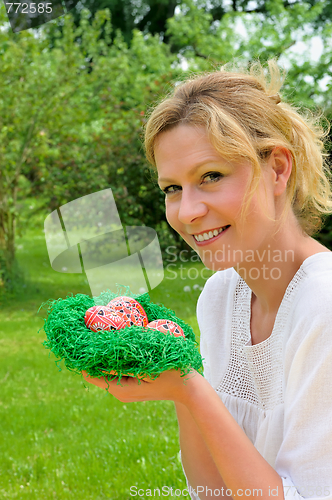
(7, 234)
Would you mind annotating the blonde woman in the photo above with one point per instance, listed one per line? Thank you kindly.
(246, 186)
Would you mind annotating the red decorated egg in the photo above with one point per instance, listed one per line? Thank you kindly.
(167, 326)
(101, 318)
(94, 312)
(98, 318)
(130, 308)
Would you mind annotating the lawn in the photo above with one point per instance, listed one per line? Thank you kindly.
(62, 440)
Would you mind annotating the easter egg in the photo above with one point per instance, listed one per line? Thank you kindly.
(97, 318)
(101, 318)
(167, 326)
(130, 308)
(95, 312)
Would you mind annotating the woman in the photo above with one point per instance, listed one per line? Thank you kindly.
(246, 187)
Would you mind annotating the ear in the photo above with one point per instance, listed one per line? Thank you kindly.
(281, 164)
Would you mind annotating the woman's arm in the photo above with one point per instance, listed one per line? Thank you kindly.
(200, 469)
(244, 471)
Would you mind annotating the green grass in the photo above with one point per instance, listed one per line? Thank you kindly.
(59, 439)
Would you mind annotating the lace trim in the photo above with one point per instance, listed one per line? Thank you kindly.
(255, 372)
(237, 380)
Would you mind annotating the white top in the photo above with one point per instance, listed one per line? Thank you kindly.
(280, 390)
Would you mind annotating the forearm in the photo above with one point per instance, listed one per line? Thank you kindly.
(198, 464)
(244, 471)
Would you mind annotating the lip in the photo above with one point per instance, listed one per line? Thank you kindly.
(207, 242)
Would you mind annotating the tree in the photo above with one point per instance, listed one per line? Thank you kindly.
(70, 126)
(37, 85)
(151, 16)
(74, 99)
(105, 149)
(148, 16)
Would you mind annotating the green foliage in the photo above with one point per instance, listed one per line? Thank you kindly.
(71, 117)
(239, 35)
(11, 278)
(151, 16)
(74, 98)
(101, 146)
(148, 16)
(36, 85)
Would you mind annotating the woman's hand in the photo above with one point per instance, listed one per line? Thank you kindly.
(169, 385)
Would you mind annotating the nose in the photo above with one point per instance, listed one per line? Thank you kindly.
(191, 206)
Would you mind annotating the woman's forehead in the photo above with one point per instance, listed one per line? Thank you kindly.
(183, 131)
(183, 141)
(184, 148)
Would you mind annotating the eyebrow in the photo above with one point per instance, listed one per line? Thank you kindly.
(192, 171)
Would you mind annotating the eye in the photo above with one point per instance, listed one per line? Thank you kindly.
(170, 189)
(215, 176)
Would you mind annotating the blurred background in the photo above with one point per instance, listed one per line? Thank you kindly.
(74, 95)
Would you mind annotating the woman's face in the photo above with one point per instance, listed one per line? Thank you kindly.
(204, 194)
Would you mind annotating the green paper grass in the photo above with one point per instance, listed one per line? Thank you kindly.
(133, 350)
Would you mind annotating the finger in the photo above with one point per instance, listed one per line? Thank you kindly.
(143, 377)
(99, 382)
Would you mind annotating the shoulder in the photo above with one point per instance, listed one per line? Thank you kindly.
(310, 314)
(315, 290)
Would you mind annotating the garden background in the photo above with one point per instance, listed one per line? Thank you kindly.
(74, 95)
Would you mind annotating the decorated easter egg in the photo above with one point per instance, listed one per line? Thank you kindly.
(167, 326)
(95, 312)
(100, 318)
(130, 308)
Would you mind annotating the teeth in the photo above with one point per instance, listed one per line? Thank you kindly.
(208, 236)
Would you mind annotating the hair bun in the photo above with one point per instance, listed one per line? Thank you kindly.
(276, 98)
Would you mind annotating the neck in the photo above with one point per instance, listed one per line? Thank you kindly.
(274, 265)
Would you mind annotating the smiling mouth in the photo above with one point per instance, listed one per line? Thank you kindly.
(209, 234)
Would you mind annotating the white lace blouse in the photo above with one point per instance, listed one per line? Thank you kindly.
(280, 390)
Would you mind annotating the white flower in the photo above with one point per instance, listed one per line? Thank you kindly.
(142, 290)
(196, 287)
(186, 288)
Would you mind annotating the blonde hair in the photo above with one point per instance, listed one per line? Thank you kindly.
(244, 118)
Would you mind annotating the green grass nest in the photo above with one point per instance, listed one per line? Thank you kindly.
(133, 350)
